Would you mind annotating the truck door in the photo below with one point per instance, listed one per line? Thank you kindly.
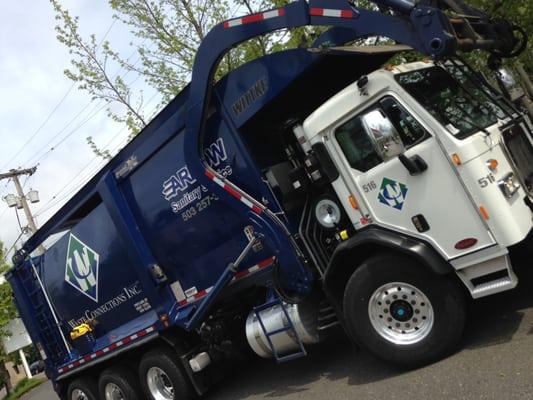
(429, 202)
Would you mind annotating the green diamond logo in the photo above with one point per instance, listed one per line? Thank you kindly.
(81, 270)
(392, 193)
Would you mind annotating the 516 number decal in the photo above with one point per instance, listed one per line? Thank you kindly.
(370, 186)
(486, 181)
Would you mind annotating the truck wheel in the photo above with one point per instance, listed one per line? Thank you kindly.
(403, 313)
(83, 389)
(119, 383)
(162, 378)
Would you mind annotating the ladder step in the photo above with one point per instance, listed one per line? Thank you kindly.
(324, 327)
(281, 330)
(301, 352)
(326, 317)
(49, 331)
(291, 357)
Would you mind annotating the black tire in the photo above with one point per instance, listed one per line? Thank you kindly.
(126, 380)
(445, 297)
(85, 384)
(166, 361)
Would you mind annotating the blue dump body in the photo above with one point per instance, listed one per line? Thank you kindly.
(145, 201)
(197, 228)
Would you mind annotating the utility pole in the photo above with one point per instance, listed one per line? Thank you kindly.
(14, 174)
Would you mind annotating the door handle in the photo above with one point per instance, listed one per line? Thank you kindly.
(415, 164)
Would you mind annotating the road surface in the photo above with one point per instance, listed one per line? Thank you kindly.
(495, 362)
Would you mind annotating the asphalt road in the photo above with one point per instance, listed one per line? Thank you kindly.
(495, 361)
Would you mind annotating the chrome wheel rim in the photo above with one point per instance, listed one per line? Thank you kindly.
(159, 384)
(78, 394)
(401, 313)
(113, 392)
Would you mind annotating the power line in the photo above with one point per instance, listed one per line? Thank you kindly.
(79, 182)
(59, 104)
(3, 213)
(72, 132)
(83, 180)
(51, 203)
(40, 127)
(32, 159)
(58, 200)
(11, 248)
(4, 189)
(77, 185)
(22, 200)
(54, 200)
(106, 33)
(29, 160)
(18, 220)
(26, 180)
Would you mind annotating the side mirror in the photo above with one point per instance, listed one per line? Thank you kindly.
(326, 163)
(383, 135)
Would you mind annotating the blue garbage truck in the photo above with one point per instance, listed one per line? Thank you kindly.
(307, 189)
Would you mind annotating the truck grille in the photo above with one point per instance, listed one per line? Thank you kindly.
(521, 152)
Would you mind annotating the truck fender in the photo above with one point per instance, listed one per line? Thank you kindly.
(374, 240)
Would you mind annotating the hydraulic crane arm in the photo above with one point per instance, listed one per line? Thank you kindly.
(437, 28)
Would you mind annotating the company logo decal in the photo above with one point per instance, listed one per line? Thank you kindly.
(81, 270)
(392, 193)
(244, 102)
(182, 180)
(187, 197)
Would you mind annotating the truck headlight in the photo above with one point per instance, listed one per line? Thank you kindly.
(509, 185)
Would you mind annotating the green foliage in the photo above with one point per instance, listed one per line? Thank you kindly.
(23, 387)
(519, 12)
(8, 312)
(4, 266)
(167, 35)
(90, 69)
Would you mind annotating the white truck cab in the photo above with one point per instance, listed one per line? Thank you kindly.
(430, 151)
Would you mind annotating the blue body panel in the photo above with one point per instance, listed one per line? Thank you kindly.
(145, 207)
(119, 286)
(163, 204)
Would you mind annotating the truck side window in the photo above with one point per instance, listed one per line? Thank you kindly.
(356, 145)
(407, 126)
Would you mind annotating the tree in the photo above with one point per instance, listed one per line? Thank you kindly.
(8, 312)
(169, 33)
(519, 13)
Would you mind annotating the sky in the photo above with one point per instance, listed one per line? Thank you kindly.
(37, 100)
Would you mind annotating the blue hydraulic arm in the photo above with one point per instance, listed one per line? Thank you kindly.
(424, 26)
(224, 279)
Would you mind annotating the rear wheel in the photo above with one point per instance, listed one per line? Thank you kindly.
(119, 383)
(403, 313)
(162, 378)
(83, 389)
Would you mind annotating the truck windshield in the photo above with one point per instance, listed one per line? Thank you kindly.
(463, 107)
